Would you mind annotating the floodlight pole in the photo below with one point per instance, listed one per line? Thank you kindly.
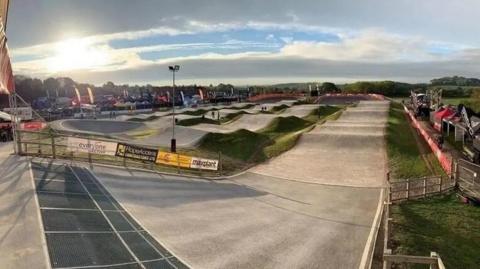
(173, 144)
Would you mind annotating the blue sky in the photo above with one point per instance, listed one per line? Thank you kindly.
(244, 42)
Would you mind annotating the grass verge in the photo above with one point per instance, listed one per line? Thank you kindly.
(441, 224)
(404, 155)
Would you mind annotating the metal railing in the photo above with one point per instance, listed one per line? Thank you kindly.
(54, 145)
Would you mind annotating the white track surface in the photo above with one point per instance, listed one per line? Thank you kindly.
(255, 122)
(297, 211)
(355, 140)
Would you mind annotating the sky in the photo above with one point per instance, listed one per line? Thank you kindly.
(244, 42)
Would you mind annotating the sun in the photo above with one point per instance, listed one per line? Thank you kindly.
(75, 54)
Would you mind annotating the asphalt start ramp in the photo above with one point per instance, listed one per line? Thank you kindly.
(85, 227)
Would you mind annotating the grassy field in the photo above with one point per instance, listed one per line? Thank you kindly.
(252, 147)
(441, 224)
(403, 152)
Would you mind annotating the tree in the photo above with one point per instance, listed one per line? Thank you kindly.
(328, 87)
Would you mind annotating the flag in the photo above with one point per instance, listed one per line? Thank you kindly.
(78, 96)
(90, 94)
(7, 83)
(183, 97)
(200, 92)
(4, 11)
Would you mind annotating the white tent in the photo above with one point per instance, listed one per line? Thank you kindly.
(5, 116)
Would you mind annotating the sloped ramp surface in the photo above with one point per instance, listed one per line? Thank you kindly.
(349, 151)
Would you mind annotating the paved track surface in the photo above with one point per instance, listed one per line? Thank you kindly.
(349, 151)
(250, 221)
(20, 231)
(255, 122)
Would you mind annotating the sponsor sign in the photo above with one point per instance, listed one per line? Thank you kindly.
(91, 146)
(32, 125)
(185, 161)
(135, 152)
(205, 164)
(23, 113)
(173, 159)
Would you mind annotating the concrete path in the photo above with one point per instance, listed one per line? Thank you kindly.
(249, 221)
(313, 207)
(21, 236)
(349, 151)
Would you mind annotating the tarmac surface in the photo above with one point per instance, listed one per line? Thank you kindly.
(158, 132)
(354, 141)
(21, 238)
(312, 207)
(249, 221)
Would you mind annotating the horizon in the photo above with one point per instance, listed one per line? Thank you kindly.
(243, 43)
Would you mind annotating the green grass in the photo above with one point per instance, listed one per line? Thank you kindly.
(195, 121)
(153, 117)
(280, 135)
(279, 109)
(403, 153)
(241, 144)
(232, 117)
(322, 112)
(441, 224)
(197, 112)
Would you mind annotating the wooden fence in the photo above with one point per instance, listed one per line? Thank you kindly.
(400, 191)
(419, 187)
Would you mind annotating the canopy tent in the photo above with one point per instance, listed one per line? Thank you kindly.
(5, 116)
(440, 115)
(444, 113)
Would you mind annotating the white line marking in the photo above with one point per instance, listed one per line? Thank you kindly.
(366, 260)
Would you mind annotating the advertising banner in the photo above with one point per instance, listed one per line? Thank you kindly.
(91, 146)
(33, 125)
(205, 164)
(173, 159)
(135, 152)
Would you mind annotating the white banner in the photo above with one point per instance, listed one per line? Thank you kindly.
(206, 164)
(91, 146)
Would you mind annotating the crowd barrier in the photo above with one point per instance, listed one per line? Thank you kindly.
(444, 160)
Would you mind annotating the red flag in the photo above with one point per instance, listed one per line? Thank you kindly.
(7, 83)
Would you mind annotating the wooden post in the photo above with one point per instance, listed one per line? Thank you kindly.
(441, 181)
(408, 189)
(220, 168)
(54, 155)
(425, 187)
(387, 264)
(433, 265)
(178, 163)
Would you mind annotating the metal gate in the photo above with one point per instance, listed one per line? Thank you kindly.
(468, 178)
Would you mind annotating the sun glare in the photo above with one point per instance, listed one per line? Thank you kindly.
(73, 54)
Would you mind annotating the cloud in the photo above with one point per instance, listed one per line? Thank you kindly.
(367, 46)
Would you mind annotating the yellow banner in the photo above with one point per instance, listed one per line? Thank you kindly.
(173, 159)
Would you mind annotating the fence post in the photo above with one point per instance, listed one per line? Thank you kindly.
(54, 154)
(178, 164)
(220, 168)
(19, 143)
(434, 265)
(441, 181)
(425, 187)
(408, 189)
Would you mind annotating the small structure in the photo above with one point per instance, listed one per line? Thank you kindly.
(440, 115)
